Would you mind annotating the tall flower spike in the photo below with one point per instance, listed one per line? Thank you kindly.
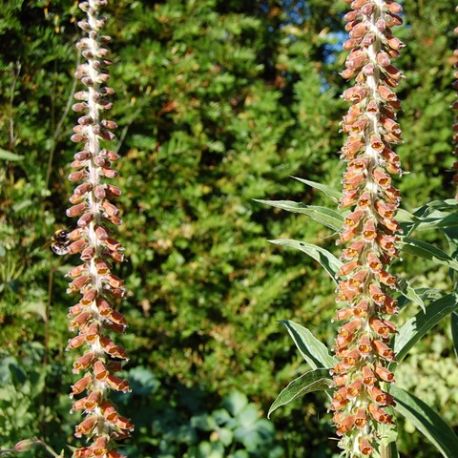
(93, 280)
(363, 345)
(455, 106)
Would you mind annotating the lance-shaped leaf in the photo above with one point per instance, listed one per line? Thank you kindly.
(9, 156)
(454, 323)
(323, 215)
(330, 192)
(329, 262)
(428, 251)
(436, 214)
(316, 380)
(415, 328)
(427, 421)
(410, 294)
(312, 350)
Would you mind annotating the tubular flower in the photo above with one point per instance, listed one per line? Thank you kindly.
(363, 345)
(93, 280)
(455, 106)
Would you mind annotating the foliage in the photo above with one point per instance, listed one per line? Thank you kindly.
(220, 102)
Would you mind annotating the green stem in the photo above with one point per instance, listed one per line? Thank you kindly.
(389, 450)
(52, 452)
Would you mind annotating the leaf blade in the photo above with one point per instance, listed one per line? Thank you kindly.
(428, 251)
(9, 156)
(323, 215)
(415, 328)
(312, 350)
(315, 380)
(331, 192)
(454, 324)
(411, 295)
(427, 421)
(328, 261)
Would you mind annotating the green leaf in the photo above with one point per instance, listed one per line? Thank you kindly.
(415, 328)
(329, 262)
(315, 380)
(323, 215)
(9, 156)
(427, 421)
(409, 293)
(429, 210)
(454, 323)
(428, 251)
(330, 192)
(311, 349)
(438, 219)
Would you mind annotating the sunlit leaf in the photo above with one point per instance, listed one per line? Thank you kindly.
(411, 294)
(313, 350)
(315, 380)
(329, 262)
(323, 215)
(427, 421)
(415, 328)
(428, 251)
(9, 156)
(330, 192)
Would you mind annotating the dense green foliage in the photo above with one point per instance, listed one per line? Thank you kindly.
(219, 103)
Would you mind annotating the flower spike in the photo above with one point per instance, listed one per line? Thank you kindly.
(93, 280)
(455, 106)
(363, 346)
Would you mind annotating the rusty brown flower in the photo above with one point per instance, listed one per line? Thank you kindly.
(370, 234)
(95, 316)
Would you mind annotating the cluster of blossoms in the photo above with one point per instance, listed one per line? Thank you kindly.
(361, 402)
(93, 280)
(455, 106)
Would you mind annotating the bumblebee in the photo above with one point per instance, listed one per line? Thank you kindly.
(60, 242)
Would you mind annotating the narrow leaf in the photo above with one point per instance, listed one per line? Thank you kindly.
(316, 380)
(415, 328)
(9, 156)
(439, 220)
(427, 421)
(429, 208)
(428, 251)
(330, 192)
(329, 262)
(455, 331)
(409, 293)
(323, 215)
(311, 349)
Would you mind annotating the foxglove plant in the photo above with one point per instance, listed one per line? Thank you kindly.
(361, 401)
(368, 348)
(93, 280)
(455, 106)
